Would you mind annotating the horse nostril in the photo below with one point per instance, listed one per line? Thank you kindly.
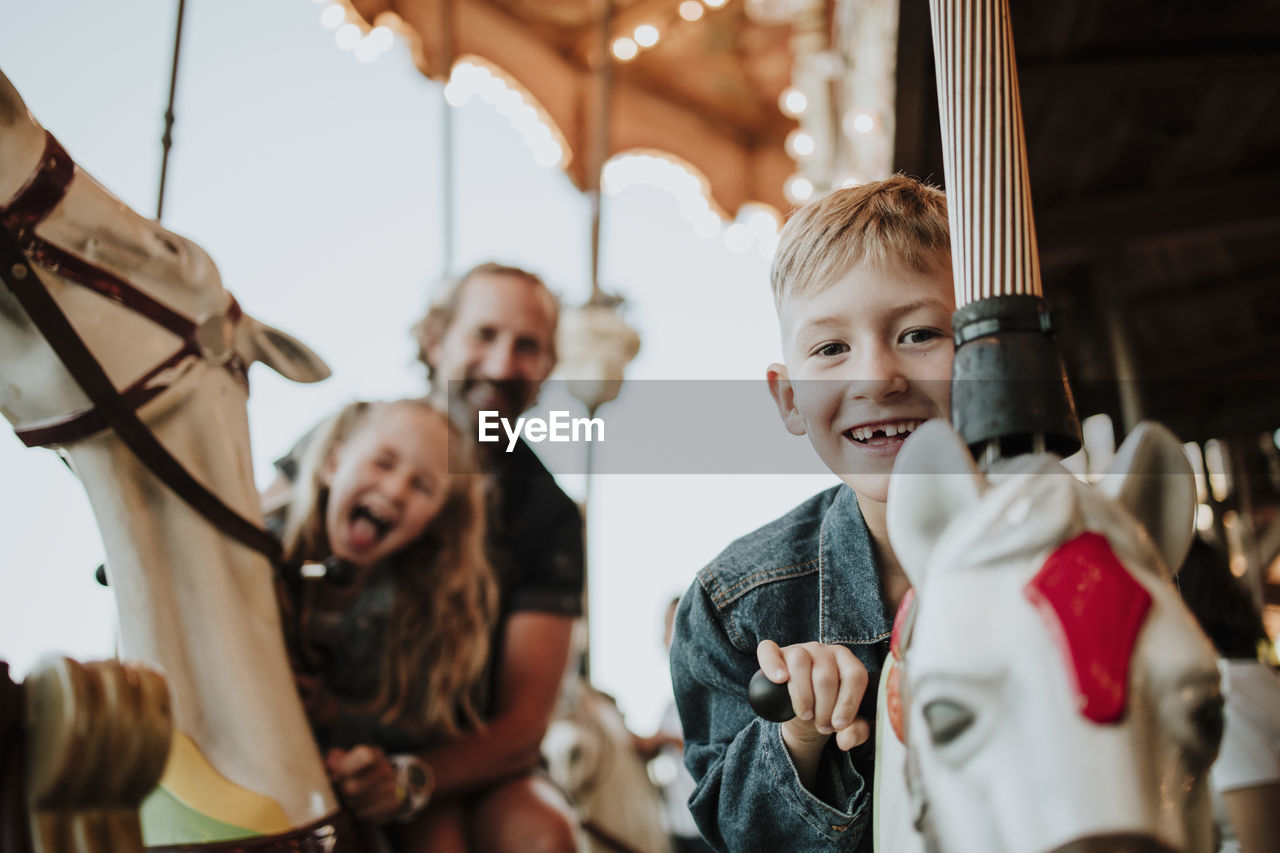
(1118, 842)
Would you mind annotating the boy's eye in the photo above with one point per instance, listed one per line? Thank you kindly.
(831, 349)
(920, 336)
(422, 485)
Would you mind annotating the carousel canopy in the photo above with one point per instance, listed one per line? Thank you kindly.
(704, 92)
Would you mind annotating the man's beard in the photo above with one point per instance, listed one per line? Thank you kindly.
(472, 395)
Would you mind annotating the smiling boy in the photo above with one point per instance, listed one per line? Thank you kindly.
(862, 285)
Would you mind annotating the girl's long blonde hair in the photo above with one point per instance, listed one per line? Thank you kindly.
(446, 602)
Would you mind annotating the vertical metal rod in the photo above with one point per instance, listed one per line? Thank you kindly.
(166, 142)
(446, 185)
(447, 157)
(598, 142)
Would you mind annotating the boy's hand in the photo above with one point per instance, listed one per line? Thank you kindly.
(826, 683)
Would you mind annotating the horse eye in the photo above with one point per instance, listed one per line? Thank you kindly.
(947, 720)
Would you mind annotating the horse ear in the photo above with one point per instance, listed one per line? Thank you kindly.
(1151, 477)
(934, 480)
(283, 353)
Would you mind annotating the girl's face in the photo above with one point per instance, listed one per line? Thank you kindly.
(387, 482)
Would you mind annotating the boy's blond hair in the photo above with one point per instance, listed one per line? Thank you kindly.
(899, 220)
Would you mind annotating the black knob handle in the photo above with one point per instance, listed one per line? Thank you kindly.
(770, 701)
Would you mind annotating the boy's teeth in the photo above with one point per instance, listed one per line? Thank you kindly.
(889, 430)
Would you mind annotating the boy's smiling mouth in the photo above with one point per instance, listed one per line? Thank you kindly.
(883, 432)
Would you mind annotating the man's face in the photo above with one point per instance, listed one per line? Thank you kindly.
(498, 349)
(868, 360)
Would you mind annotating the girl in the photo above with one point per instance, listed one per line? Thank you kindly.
(387, 597)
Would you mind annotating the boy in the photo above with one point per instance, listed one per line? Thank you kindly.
(862, 285)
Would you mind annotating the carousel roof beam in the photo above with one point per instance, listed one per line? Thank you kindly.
(1260, 58)
(1231, 207)
(1184, 294)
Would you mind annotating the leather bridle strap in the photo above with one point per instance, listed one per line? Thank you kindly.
(22, 280)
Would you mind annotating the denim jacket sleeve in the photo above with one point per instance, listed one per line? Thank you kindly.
(748, 795)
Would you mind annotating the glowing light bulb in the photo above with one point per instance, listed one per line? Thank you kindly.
(347, 36)
(707, 226)
(737, 238)
(792, 102)
(858, 123)
(798, 189)
(800, 144)
(646, 35)
(691, 10)
(762, 225)
(548, 155)
(456, 93)
(625, 49)
(367, 51)
(381, 38)
(715, 4)
(333, 16)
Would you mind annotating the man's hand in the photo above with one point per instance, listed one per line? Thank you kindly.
(365, 782)
(826, 684)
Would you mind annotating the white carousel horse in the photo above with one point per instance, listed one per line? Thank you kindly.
(591, 754)
(191, 601)
(1054, 692)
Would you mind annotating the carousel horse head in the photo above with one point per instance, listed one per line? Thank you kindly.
(120, 347)
(1056, 694)
(128, 286)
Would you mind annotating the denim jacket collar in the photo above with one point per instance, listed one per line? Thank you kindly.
(852, 613)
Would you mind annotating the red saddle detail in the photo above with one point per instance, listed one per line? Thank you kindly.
(1095, 610)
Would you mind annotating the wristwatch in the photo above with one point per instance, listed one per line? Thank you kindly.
(415, 783)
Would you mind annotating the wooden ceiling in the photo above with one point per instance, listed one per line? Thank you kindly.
(706, 93)
(1153, 142)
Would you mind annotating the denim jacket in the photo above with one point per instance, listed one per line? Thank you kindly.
(810, 575)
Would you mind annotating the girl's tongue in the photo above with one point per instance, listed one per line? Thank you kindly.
(364, 531)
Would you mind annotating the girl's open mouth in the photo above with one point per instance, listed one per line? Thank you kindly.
(368, 527)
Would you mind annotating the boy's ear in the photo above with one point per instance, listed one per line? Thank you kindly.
(784, 396)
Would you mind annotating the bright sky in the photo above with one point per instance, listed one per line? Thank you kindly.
(314, 181)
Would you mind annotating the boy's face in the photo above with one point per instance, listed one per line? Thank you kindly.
(868, 359)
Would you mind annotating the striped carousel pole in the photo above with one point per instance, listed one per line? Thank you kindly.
(1009, 388)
